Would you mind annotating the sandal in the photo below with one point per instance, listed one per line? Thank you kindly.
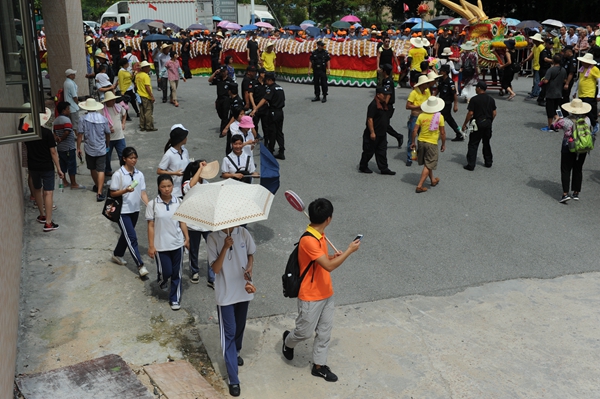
(435, 182)
(511, 97)
(420, 189)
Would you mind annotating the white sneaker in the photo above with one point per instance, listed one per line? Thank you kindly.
(143, 271)
(119, 260)
(175, 306)
(195, 278)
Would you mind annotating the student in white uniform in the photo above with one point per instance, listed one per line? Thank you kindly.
(231, 256)
(129, 183)
(238, 165)
(196, 173)
(166, 239)
(176, 158)
(248, 132)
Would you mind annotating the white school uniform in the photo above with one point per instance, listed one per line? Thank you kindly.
(172, 161)
(122, 179)
(168, 235)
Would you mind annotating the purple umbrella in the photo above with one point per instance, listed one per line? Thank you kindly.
(222, 23)
(232, 26)
(174, 27)
(350, 18)
(264, 25)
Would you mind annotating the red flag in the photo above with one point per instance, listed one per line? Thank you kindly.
(152, 6)
(405, 8)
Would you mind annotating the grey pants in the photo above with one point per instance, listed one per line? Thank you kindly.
(314, 316)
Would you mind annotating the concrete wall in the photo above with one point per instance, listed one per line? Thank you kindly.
(11, 239)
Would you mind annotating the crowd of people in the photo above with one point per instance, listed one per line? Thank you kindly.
(563, 68)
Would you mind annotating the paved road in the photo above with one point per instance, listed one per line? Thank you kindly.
(475, 227)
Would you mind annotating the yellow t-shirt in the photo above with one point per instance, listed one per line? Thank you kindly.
(141, 81)
(268, 60)
(536, 56)
(587, 86)
(426, 135)
(417, 55)
(125, 79)
(418, 98)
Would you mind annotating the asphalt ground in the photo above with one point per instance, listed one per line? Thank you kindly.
(475, 227)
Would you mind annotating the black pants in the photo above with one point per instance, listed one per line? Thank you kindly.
(593, 114)
(223, 106)
(320, 82)
(571, 163)
(156, 71)
(132, 100)
(261, 119)
(448, 118)
(474, 138)
(542, 97)
(377, 147)
(163, 83)
(391, 131)
(116, 57)
(275, 130)
(185, 66)
(214, 64)
(565, 97)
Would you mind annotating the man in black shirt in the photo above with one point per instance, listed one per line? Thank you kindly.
(443, 41)
(115, 46)
(42, 158)
(235, 106)
(570, 66)
(482, 110)
(248, 85)
(185, 55)
(545, 64)
(275, 97)
(553, 82)
(375, 133)
(222, 104)
(215, 51)
(252, 52)
(388, 84)
(447, 92)
(320, 64)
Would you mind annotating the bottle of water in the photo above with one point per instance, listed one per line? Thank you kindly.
(61, 187)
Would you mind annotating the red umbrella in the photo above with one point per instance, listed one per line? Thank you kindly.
(350, 18)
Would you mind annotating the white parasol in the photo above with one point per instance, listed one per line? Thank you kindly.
(225, 204)
(553, 22)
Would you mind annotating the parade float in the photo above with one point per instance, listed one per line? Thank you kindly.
(353, 62)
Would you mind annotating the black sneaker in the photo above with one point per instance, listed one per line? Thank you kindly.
(365, 170)
(210, 284)
(325, 372)
(324, 100)
(565, 199)
(234, 390)
(400, 141)
(408, 162)
(280, 155)
(317, 98)
(100, 197)
(240, 361)
(288, 353)
(575, 196)
(469, 168)
(388, 172)
(50, 226)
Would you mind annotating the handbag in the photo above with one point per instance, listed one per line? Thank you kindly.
(112, 208)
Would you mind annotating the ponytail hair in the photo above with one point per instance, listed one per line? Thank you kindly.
(168, 145)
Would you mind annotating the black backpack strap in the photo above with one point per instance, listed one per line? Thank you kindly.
(247, 162)
(312, 262)
(233, 163)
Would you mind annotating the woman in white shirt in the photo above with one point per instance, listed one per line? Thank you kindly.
(176, 158)
(129, 183)
(237, 165)
(166, 239)
(192, 176)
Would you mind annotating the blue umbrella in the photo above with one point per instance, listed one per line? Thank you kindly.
(269, 170)
(292, 28)
(313, 31)
(413, 21)
(216, 18)
(249, 27)
(426, 26)
(512, 22)
(156, 37)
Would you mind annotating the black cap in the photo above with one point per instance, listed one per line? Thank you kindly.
(232, 85)
(270, 75)
(481, 85)
(223, 68)
(320, 43)
(384, 89)
(262, 70)
(445, 68)
(251, 68)
(387, 68)
(569, 47)
(510, 44)
(178, 135)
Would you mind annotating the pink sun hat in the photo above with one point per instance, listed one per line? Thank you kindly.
(246, 122)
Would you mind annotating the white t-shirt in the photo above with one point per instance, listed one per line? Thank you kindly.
(102, 80)
(238, 162)
(117, 126)
(168, 235)
(132, 60)
(248, 136)
(173, 161)
(122, 179)
(230, 282)
(186, 187)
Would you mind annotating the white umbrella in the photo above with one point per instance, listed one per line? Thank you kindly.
(553, 22)
(224, 204)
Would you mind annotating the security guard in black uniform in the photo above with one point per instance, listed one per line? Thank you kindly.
(374, 135)
(320, 64)
(388, 83)
(222, 104)
(275, 97)
(256, 95)
(447, 92)
(236, 106)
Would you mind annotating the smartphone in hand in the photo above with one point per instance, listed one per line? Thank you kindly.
(358, 237)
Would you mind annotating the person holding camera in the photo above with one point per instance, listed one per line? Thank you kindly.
(482, 110)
